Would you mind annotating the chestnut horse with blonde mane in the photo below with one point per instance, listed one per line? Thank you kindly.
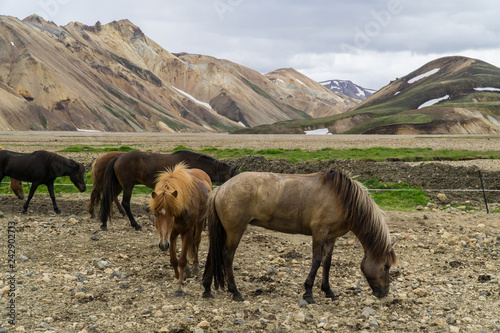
(325, 204)
(179, 203)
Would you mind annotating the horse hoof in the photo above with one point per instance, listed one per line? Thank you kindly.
(238, 298)
(138, 228)
(104, 228)
(58, 212)
(179, 293)
(25, 212)
(208, 294)
(309, 299)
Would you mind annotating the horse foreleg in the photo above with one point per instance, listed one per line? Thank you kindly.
(50, 187)
(316, 262)
(327, 263)
(127, 196)
(186, 243)
(194, 248)
(94, 198)
(173, 255)
(33, 188)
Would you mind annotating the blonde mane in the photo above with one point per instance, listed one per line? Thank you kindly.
(173, 189)
(363, 216)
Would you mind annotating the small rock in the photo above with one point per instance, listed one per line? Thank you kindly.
(204, 324)
(367, 312)
(442, 197)
(439, 322)
(454, 329)
(421, 292)
(238, 321)
(5, 290)
(23, 257)
(303, 303)
(101, 264)
(300, 317)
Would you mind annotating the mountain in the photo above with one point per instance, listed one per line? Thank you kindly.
(450, 95)
(306, 94)
(112, 77)
(348, 88)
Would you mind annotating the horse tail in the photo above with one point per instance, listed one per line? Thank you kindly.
(214, 267)
(95, 197)
(109, 191)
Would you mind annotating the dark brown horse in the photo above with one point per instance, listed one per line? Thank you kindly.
(136, 167)
(325, 205)
(41, 167)
(98, 168)
(179, 202)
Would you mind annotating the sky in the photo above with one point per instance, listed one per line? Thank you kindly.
(369, 42)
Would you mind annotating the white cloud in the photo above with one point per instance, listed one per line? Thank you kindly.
(369, 42)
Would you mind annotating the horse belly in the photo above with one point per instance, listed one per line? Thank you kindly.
(288, 226)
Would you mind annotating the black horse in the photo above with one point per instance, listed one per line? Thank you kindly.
(41, 167)
(136, 167)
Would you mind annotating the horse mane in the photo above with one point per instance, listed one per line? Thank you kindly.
(363, 217)
(169, 181)
(50, 157)
(217, 165)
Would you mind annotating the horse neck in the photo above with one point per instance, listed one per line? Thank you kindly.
(367, 222)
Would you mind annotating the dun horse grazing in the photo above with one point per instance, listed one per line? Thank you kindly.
(179, 202)
(325, 205)
(136, 167)
(98, 168)
(41, 167)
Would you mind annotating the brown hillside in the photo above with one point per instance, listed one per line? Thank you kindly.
(114, 78)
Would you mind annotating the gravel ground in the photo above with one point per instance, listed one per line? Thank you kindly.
(72, 277)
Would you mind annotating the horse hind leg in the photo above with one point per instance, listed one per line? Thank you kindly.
(327, 263)
(127, 196)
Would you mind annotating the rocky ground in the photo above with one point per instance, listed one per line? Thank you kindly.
(72, 277)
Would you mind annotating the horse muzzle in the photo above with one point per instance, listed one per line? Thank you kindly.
(164, 246)
(380, 292)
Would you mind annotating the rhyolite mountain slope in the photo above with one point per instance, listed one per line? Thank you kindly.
(348, 88)
(450, 95)
(111, 77)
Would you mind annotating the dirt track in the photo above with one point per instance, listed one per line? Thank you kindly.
(72, 277)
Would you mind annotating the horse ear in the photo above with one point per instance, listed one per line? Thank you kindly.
(174, 194)
(153, 194)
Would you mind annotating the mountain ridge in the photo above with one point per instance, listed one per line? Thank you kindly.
(449, 95)
(112, 77)
(348, 88)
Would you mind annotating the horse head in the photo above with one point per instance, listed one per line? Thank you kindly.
(376, 271)
(227, 172)
(164, 220)
(77, 176)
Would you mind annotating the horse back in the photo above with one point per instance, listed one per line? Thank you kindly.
(283, 202)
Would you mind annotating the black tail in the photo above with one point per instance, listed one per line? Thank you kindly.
(214, 267)
(110, 190)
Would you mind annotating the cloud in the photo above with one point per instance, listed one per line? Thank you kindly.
(369, 42)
